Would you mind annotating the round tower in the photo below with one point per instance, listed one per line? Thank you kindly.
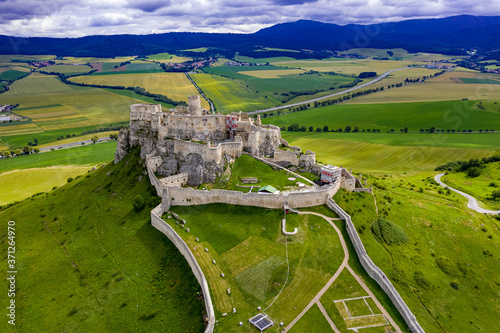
(194, 105)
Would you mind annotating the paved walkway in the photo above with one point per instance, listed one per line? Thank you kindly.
(345, 264)
(472, 204)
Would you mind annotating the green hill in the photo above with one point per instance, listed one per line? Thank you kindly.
(88, 261)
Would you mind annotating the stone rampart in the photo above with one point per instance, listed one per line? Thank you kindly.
(207, 153)
(375, 272)
(347, 180)
(167, 230)
(154, 181)
(178, 180)
(298, 199)
(286, 156)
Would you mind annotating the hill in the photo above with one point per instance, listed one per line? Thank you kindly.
(88, 261)
(445, 35)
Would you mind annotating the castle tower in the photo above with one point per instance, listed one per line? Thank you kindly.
(194, 105)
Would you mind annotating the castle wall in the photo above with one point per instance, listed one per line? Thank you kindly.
(189, 196)
(175, 180)
(167, 230)
(233, 149)
(375, 272)
(286, 156)
(184, 148)
(347, 180)
(307, 159)
(185, 126)
(143, 111)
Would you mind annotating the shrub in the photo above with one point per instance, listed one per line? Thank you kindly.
(70, 179)
(454, 285)
(447, 266)
(474, 172)
(388, 232)
(139, 203)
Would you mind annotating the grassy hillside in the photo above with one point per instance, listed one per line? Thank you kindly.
(457, 115)
(89, 262)
(480, 187)
(445, 271)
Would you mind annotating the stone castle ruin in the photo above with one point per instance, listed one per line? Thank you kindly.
(189, 140)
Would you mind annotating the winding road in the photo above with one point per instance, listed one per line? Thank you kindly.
(332, 95)
(472, 204)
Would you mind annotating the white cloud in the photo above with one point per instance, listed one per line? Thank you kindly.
(70, 18)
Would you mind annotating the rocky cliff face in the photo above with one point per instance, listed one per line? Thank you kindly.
(199, 171)
(122, 145)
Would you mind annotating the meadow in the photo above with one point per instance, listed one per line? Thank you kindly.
(249, 249)
(448, 115)
(93, 263)
(445, 271)
(394, 153)
(400, 54)
(172, 58)
(173, 85)
(480, 187)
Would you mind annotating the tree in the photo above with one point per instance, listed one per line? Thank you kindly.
(311, 128)
(94, 139)
(6, 154)
(318, 129)
(325, 128)
(113, 136)
(17, 152)
(347, 129)
(139, 203)
(432, 129)
(36, 150)
(293, 127)
(474, 172)
(303, 128)
(35, 140)
(356, 129)
(406, 129)
(27, 150)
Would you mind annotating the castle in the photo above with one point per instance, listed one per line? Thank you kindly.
(192, 142)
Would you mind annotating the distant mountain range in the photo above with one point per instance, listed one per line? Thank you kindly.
(451, 35)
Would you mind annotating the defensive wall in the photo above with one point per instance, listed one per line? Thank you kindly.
(177, 196)
(178, 180)
(293, 158)
(206, 151)
(375, 272)
(167, 230)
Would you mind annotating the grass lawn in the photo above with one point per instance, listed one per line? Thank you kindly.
(250, 250)
(445, 271)
(91, 263)
(312, 321)
(448, 115)
(479, 187)
(400, 153)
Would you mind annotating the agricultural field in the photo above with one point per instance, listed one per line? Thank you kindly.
(448, 115)
(447, 87)
(172, 58)
(248, 248)
(75, 246)
(381, 153)
(480, 187)
(56, 109)
(230, 95)
(173, 85)
(67, 69)
(199, 49)
(400, 54)
(12, 73)
(445, 271)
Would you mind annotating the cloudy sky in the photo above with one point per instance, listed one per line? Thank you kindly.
(74, 18)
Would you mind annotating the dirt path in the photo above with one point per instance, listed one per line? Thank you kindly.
(345, 264)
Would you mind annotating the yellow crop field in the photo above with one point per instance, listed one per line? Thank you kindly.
(84, 60)
(173, 85)
(15, 68)
(169, 58)
(19, 129)
(347, 66)
(271, 74)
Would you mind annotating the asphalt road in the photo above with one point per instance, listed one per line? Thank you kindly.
(472, 201)
(73, 144)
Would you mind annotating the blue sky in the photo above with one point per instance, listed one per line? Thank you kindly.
(71, 18)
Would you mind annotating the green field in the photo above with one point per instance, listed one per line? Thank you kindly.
(57, 109)
(480, 187)
(400, 153)
(249, 249)
(12, 75)
(85, 155)
(313, 321)
(73, 252)
(21, 184)
(67, 69)
(445, 272)
(172, 58)
(458, 115)
(173, 85)
(230, 95)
